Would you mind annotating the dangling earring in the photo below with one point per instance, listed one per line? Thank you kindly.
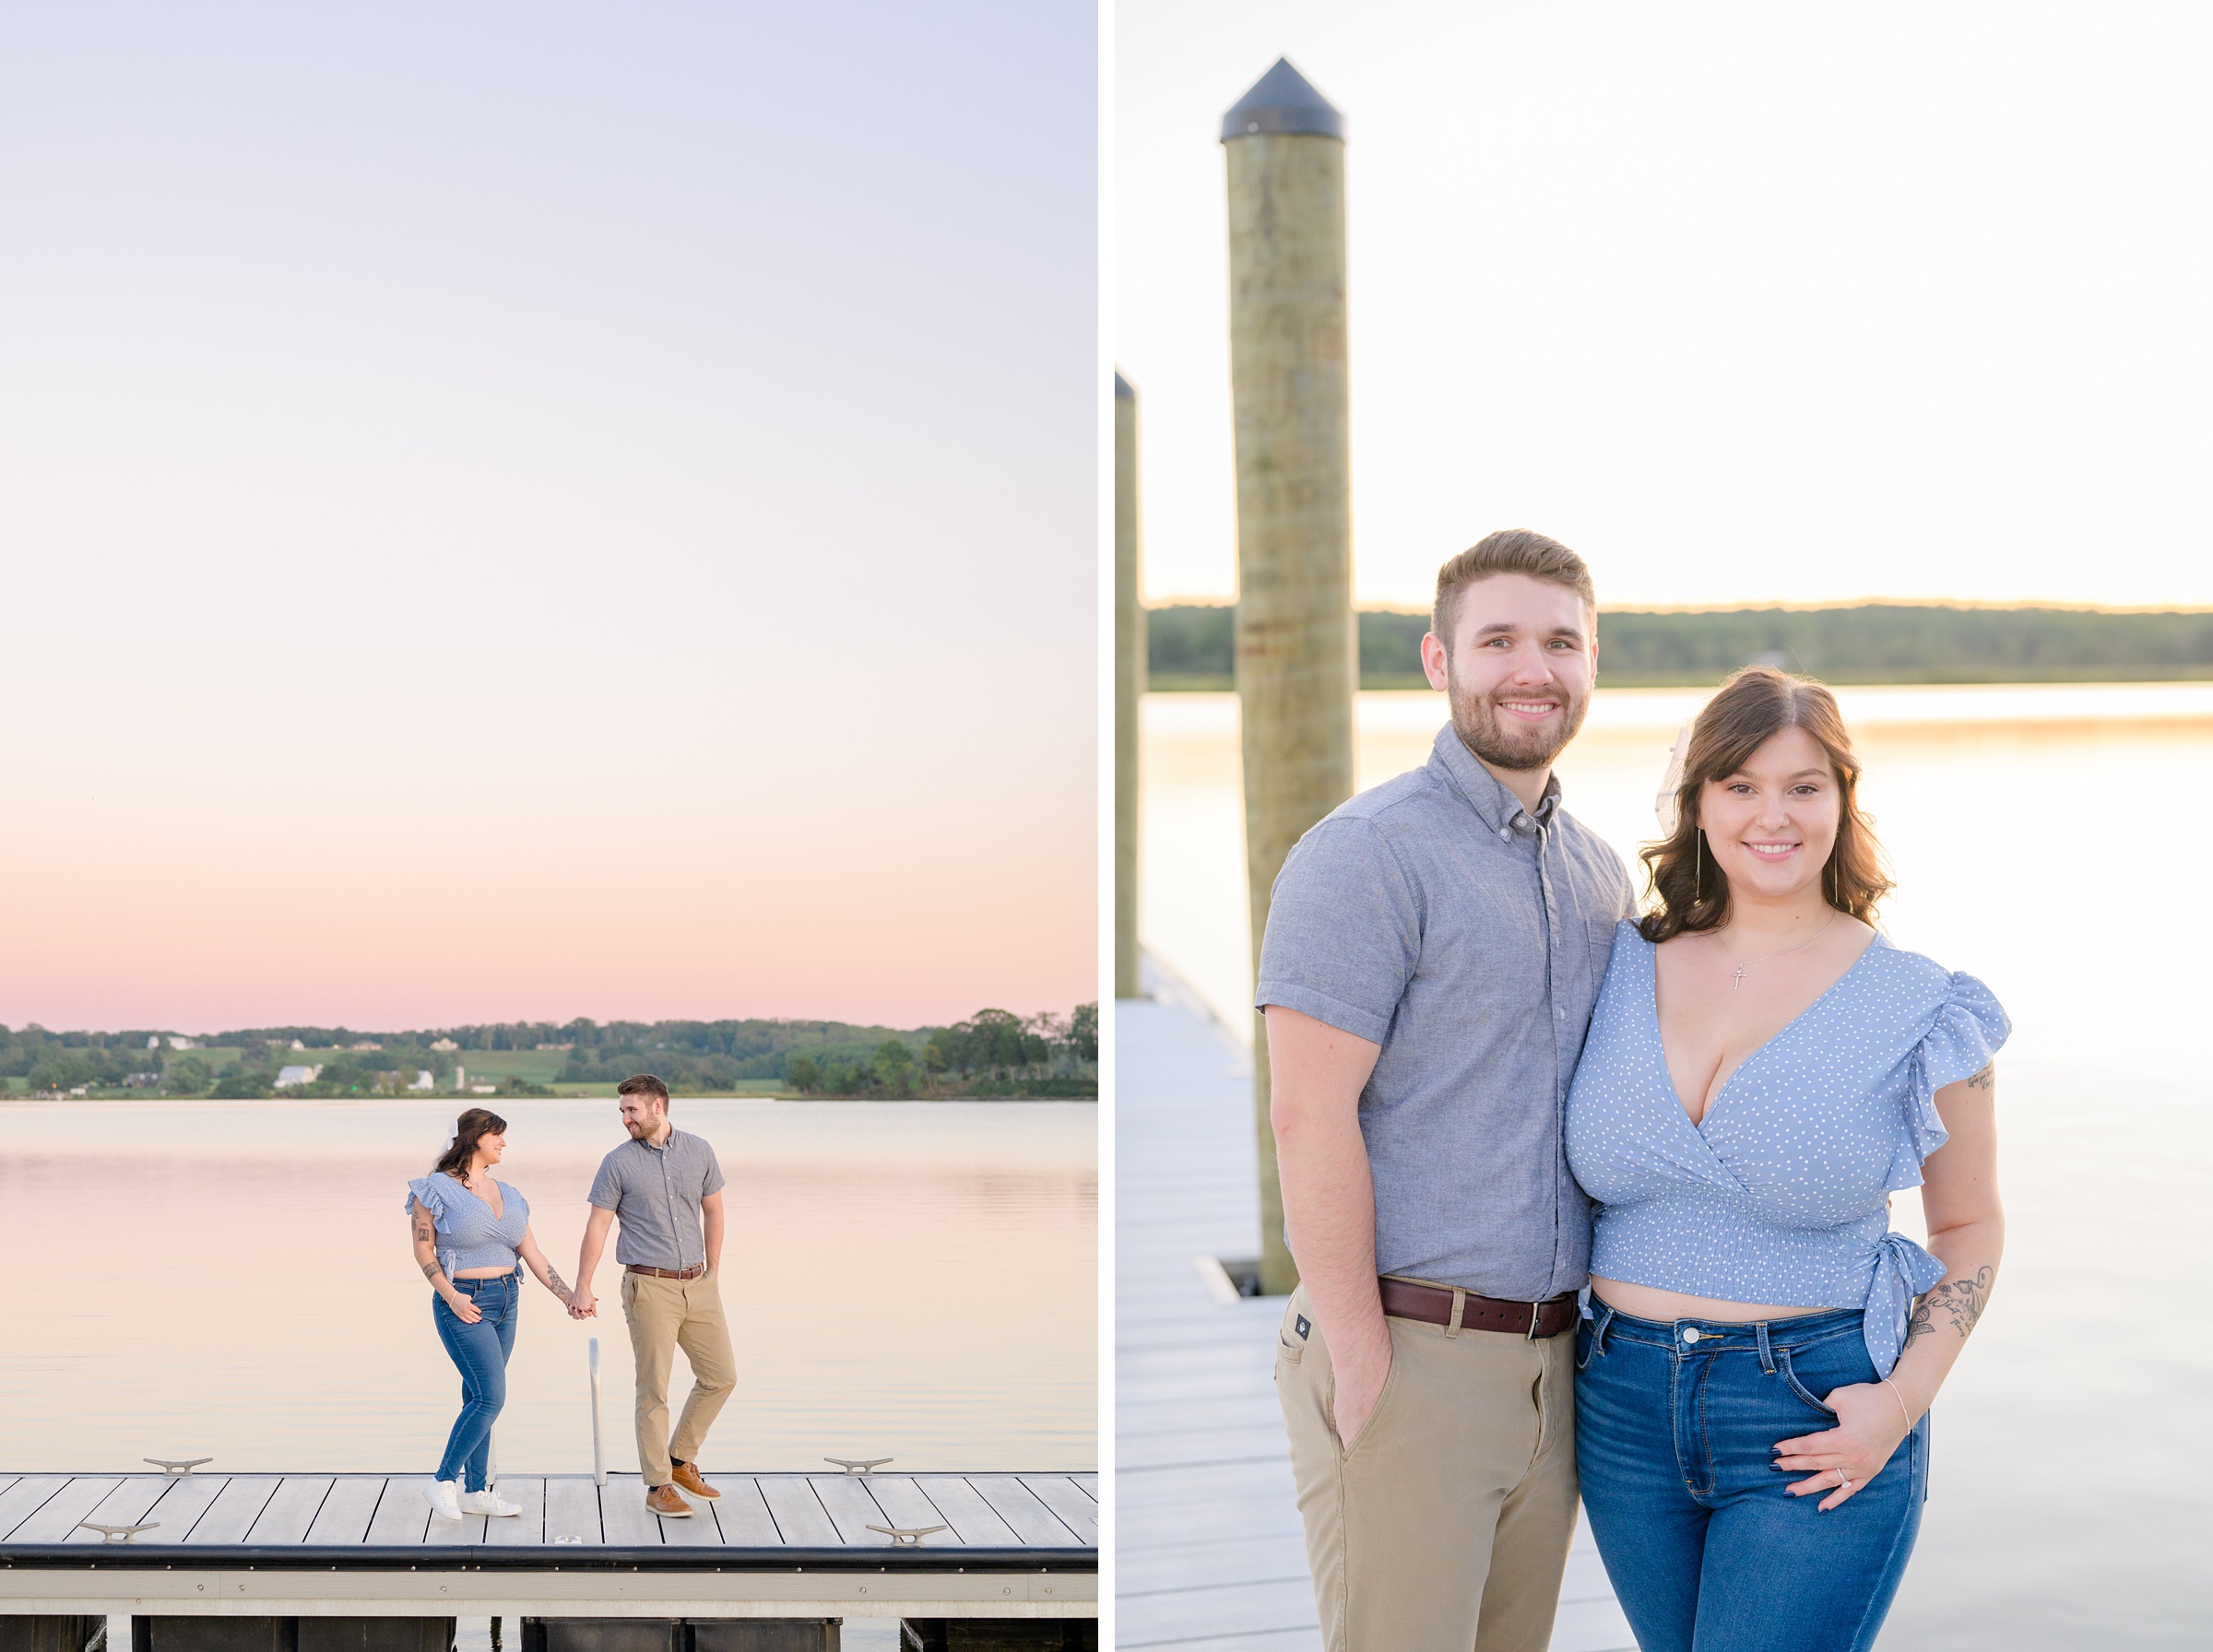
(1698, 838)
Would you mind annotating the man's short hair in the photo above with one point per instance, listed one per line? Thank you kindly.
(644, 1084)
(1509, 550)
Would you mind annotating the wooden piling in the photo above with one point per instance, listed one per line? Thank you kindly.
(1296, 646)
(1129, 685)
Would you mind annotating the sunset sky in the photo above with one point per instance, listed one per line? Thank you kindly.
(540, 511)
(1746, 303)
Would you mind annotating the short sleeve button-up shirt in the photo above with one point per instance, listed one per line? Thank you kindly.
(1467, 936)
(655, 1194)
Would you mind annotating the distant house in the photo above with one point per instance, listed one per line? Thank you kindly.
(140, 1081)
(298, 1045)
(483, 1089)
(423, 1080)
(289, 1076)
(444, 1045)
(153, 1041)
(181, 1044)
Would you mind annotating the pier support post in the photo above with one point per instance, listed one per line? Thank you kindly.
(1296, 646)
(1128, 687)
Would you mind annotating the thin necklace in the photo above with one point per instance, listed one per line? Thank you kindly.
(1744, 963)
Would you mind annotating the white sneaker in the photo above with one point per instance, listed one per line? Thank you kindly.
(488, 1503)
(446, 1498)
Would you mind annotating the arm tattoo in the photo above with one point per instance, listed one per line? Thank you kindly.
(1962, 1301)
(431, 1270)
(424, 1233)
(553, 1281)
(1920, 1326)
(1985, 1079)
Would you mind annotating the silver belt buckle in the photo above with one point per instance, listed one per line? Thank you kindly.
(1536, 1308)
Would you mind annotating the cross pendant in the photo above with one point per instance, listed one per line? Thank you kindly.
(1739, 982)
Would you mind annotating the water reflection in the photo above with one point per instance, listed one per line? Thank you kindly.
(233, 1278)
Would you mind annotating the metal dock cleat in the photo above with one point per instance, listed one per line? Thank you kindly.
(120, 1534)
(857, 1465)
(907, 1537)
(176, 1464)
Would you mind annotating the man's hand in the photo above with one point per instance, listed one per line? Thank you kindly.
(1361, 1370)
(583, 1305)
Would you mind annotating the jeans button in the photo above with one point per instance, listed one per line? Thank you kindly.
(1690, 1333)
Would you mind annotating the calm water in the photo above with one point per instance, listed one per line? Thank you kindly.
(233, 1280)
(2052, 841)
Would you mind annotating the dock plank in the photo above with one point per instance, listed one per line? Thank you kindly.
(844, 1498)
(403, 1513)
(58, 1516)
(1071, 1507)
(292, 1511)
(799, 1512)
(622, 1514)
(236, 1509)
(1019, 1508)
(573, 1508)
(1090, 1484)
(22, 1500)
(699, 1530)
(442, 1533)
(127, 1505)
(906, 1503)
(528, 1527)
(742, 1515)
(345, 1514)
(963, 1508)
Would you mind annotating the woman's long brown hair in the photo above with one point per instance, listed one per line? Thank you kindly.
(1687, 887)
(469, 1129)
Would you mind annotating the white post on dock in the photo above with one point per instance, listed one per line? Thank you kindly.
(598, 1463)
(492, 1461)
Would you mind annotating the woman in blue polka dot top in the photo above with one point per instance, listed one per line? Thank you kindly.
(1763, 1071)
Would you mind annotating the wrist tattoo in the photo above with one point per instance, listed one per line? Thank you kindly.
(553, 1282)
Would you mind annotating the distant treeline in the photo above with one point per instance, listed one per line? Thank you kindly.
(992, 1052)
(692, 1057)
(1192, 648)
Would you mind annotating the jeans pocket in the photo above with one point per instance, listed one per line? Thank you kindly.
(1782, 1364)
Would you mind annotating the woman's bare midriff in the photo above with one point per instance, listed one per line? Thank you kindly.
(1648, 1301)
(482, 1273)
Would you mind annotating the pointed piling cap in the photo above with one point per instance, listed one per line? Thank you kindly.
(1283, 100)
(1121, 389)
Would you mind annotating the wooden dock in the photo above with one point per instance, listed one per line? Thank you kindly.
(1209, 1555)
(775, 1545)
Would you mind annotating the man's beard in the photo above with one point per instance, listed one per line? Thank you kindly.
(1513, 746)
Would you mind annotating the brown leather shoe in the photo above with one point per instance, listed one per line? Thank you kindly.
(687, 1476)
(667, 1501)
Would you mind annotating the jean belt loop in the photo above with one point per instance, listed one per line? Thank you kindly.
(1598, 1331)
(1459, 1306)
(1767, 1355)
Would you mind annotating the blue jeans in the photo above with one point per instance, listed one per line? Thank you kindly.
(1707, 1551)
(481, 1350)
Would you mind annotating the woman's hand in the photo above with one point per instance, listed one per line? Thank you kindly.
(1870, 1423)
(466, 1311)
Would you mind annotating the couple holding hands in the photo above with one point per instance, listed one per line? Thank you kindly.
(472, 1239)
(1589, 1200)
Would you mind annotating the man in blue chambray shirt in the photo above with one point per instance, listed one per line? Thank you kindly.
(666, 1188)
(1433, 953)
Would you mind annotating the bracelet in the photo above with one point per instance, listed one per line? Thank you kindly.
(1902, 1403)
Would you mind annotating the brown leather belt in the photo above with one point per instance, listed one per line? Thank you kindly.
(1433, 1304)
(665, 1273)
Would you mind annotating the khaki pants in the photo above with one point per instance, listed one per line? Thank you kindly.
(1445, 1528)
(663, 1316)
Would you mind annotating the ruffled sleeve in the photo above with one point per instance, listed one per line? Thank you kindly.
(426, 1189)
(1969, 1028)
